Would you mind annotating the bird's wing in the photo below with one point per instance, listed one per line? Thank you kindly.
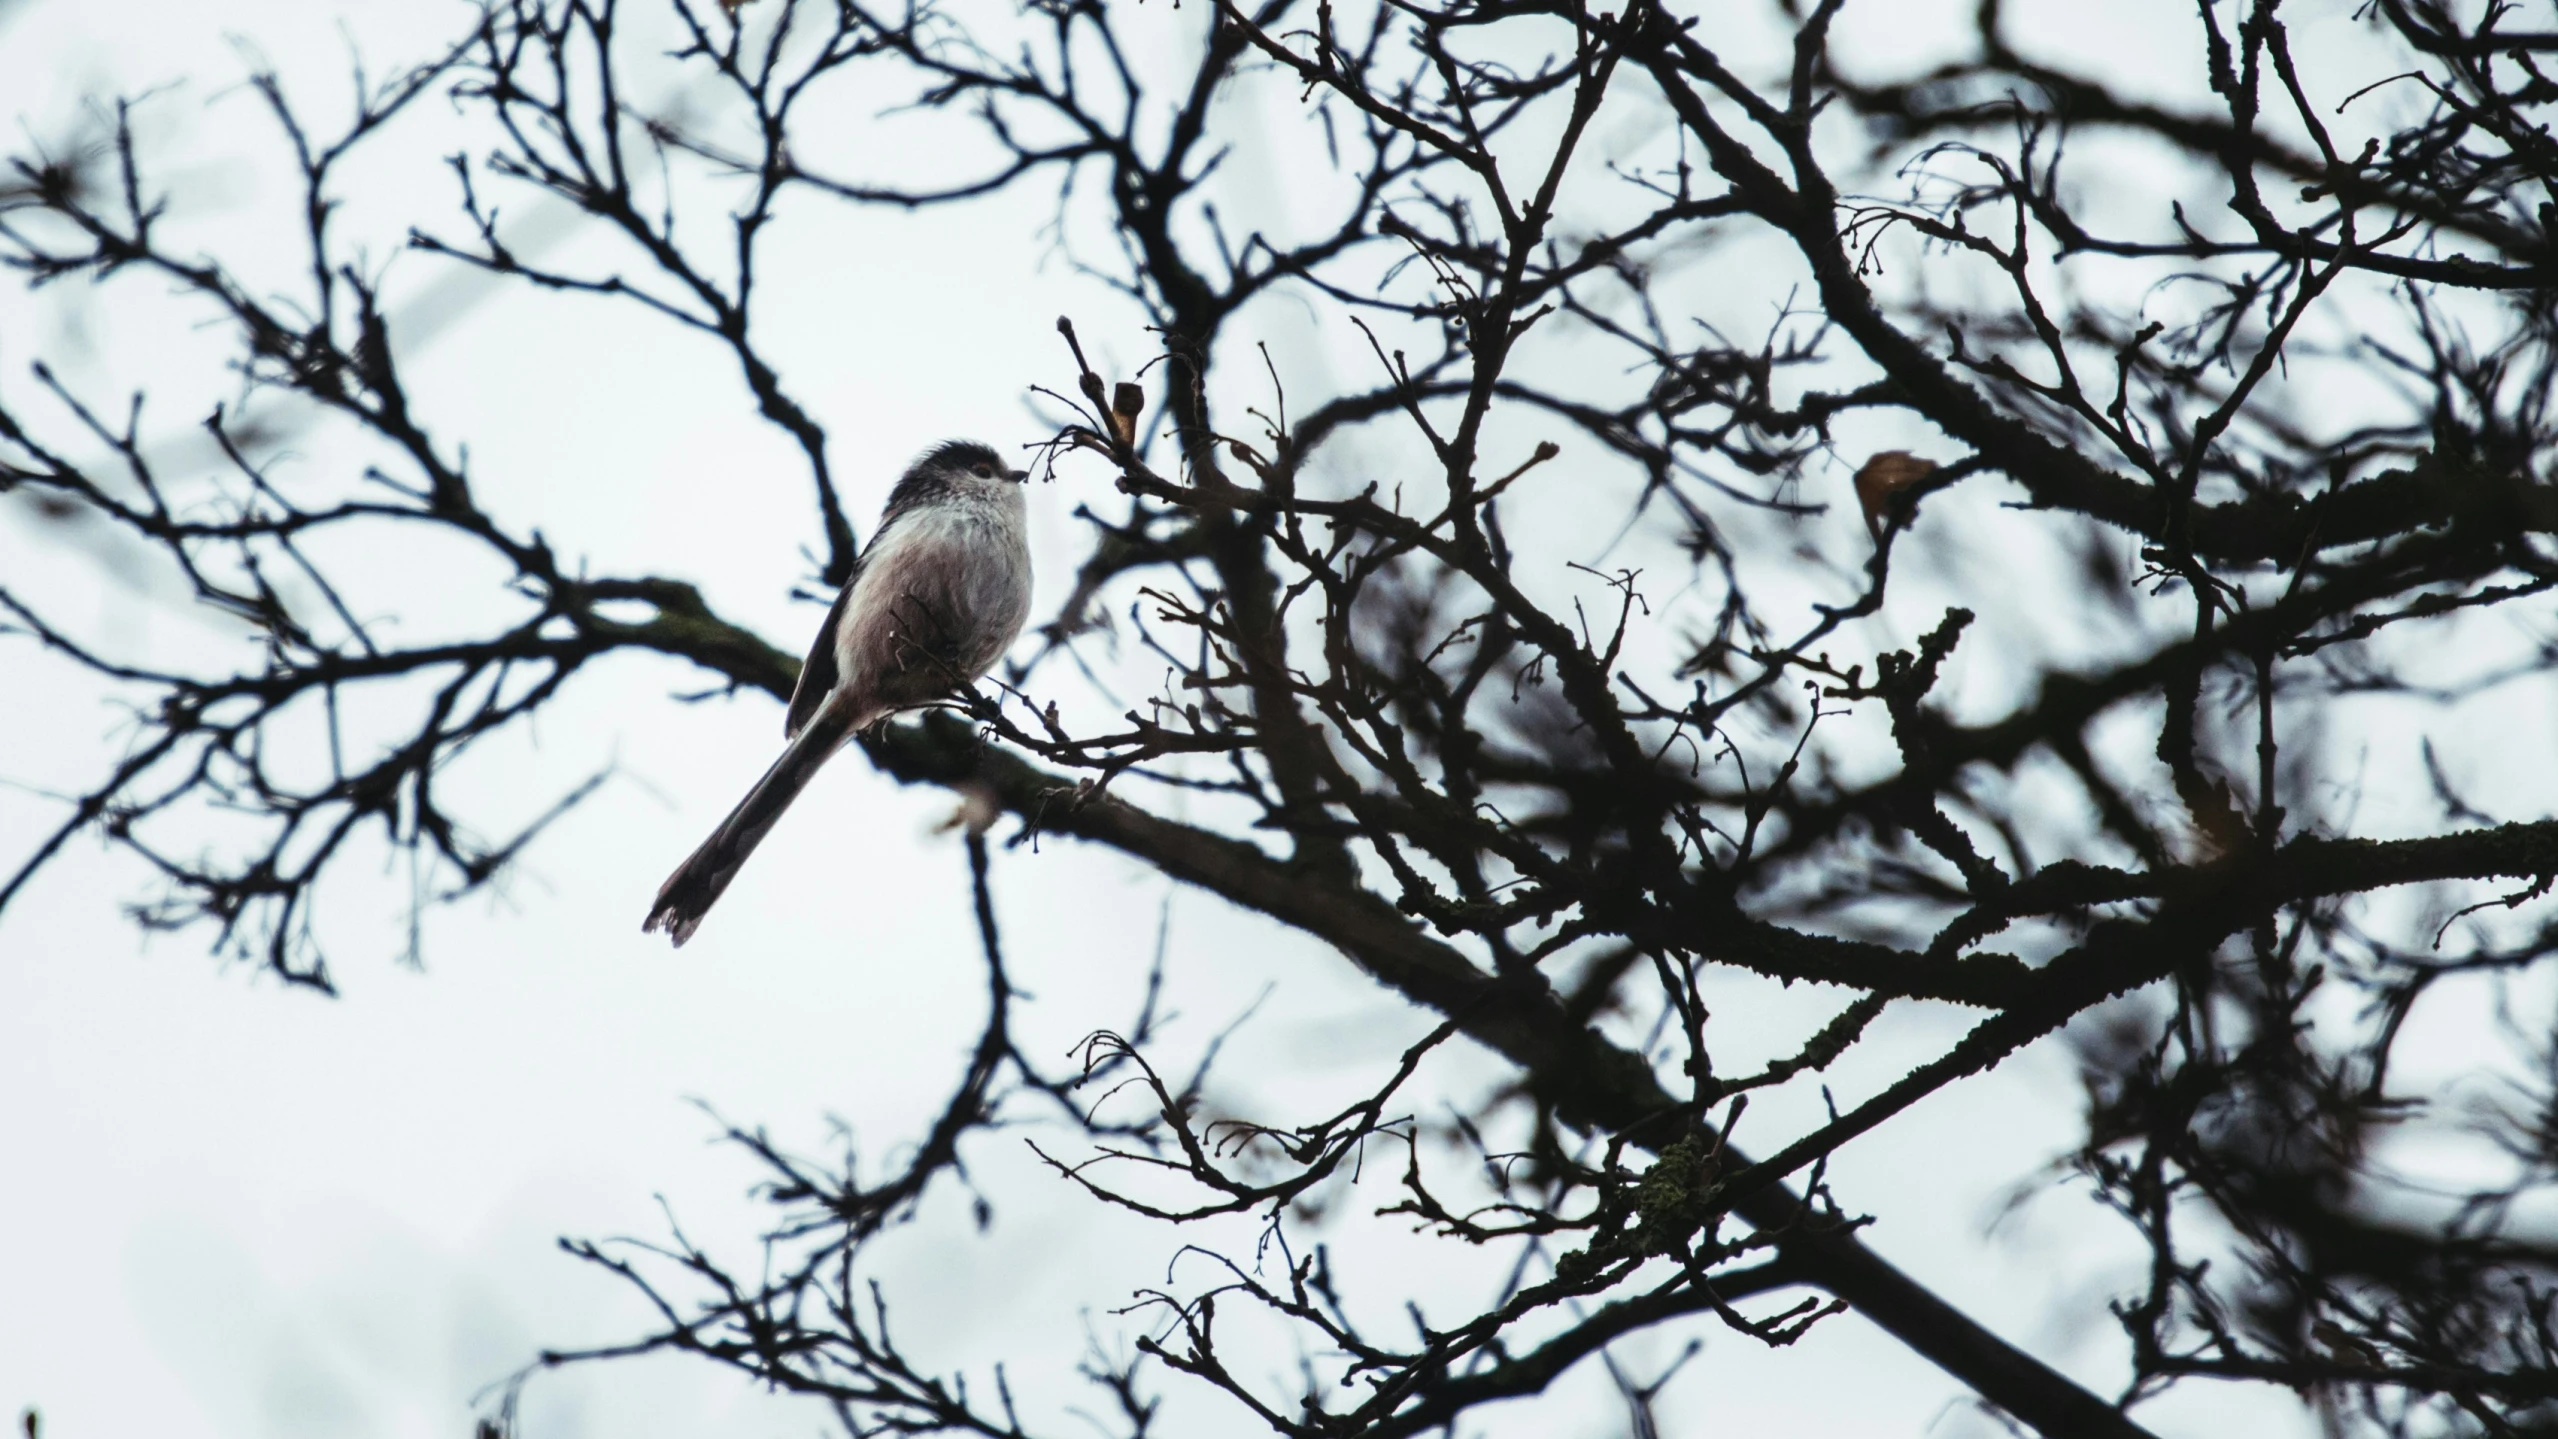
(817, 672)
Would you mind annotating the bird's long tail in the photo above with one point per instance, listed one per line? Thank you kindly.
(696, 884)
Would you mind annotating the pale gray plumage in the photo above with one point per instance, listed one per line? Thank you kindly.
(934, 601)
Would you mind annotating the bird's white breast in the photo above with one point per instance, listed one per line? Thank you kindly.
(966, 558)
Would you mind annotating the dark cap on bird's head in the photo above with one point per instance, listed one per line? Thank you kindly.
(966, 457)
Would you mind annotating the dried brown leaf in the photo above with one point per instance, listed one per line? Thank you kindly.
(1882, 477)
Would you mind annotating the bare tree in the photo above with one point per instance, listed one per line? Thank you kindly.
(2266, 380)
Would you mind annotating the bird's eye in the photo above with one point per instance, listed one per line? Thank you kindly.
(983, 472)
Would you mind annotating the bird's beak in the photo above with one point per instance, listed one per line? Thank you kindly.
(1019, 477)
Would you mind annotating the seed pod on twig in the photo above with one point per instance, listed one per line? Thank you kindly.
(1126, 403)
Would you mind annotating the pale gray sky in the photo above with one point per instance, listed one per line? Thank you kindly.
(229, 1210)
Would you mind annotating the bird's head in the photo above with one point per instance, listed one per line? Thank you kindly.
(962, 465)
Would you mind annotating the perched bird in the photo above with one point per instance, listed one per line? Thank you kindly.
(933, 602)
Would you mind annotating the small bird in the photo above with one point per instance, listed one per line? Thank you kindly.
(933, 602)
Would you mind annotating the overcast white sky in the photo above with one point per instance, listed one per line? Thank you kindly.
(227, 1209)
